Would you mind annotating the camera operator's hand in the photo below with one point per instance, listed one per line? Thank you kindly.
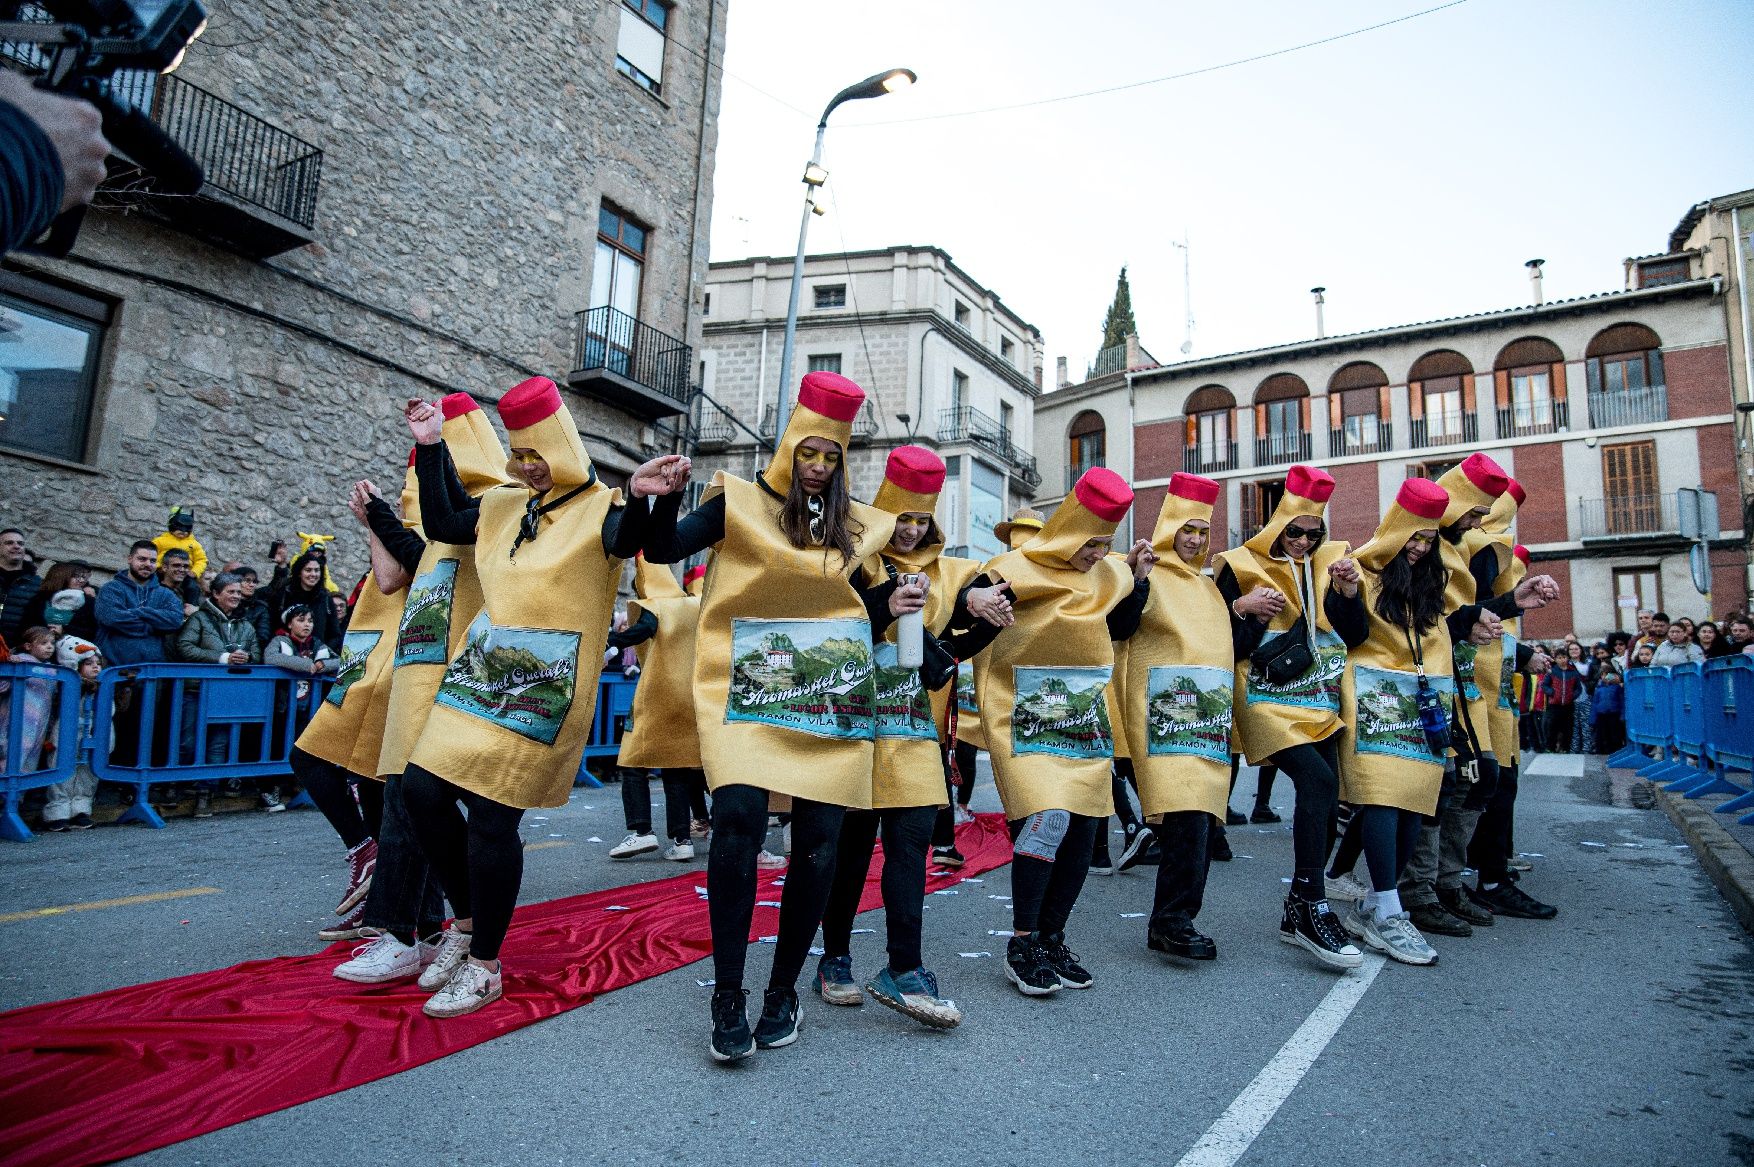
(73, 127)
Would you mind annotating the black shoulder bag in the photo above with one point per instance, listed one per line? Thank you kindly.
(1285, 657)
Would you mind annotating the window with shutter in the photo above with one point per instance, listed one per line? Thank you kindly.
(1631, 504)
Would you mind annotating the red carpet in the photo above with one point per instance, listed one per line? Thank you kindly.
(123, 1072)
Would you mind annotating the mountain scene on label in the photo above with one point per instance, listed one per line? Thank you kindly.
(777, 662)
(1052, 713)
(426, 624)
(1183, 709)
(504, 671)
(1388, 718)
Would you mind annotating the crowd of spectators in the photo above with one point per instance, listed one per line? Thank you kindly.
(168, 603)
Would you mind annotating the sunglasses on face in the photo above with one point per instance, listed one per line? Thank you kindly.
(1313, 534)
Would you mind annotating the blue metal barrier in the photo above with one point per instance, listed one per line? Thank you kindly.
(1728, 704)
(197, 723)
(614, 705)
(39, 715)
(1647, 718)
(1687, 764)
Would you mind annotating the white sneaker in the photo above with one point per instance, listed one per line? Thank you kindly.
(470, 987)
(1348, 913)
(453, 950)
(768, 861)
(680, 852)
(1397, 936)
(1345, 887)
(386, 959)
(700, 828)
(786, 838)
(634, 844)
(962, 814)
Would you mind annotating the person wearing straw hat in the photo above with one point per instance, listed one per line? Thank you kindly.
(784, 685)
(1177, 695)
(514, 708)
(1044, 709)
(908, 784)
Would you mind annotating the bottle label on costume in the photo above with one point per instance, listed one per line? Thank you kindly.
(1465, 654)
(1507, 675)
(1188, 710)
(1318, 688)
(1042, 833)
(966, 705)
(904, 707)
(425, 635)
(521, 679)
(1061, 711)
(813, 676)
(1388, 712)
(355, 647)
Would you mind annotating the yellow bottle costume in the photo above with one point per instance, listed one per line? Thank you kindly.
(1043, 682)
(661, 733)
(445, 594)
(1180, 672)
(1476, 484)
(784, 682)
(515, 706)
(1495, 664)
(1014, 532)
(348, 728)
(1385, 760)
(1273, 717)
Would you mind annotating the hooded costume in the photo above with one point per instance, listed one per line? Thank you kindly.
(1495, 664)
(1180, 671)
(515, 708)
(784, 682)
(660, 733)
(1014, 532)
(912, 720)
(1477, 483)
(445, 595)
(1385, 760)
(348, 727)
(1306, 710)
(1043, 683)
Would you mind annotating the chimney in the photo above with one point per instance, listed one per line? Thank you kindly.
(1534, 266)
(1132, 350)
(1321, 322)
(1060, 381)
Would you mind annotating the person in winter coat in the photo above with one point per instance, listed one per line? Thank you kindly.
(305, 586)
(135, 611)
(1562, 686)
(68, 575)
(215, 633)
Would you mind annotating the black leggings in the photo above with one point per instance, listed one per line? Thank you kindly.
(1387, 836)
(1314, 773)
(1043, 891)
(907, 833)
(1490, 849)
(331, 788)
(739, 829)
(479, 861)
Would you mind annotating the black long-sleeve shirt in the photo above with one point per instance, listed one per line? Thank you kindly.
(1346, 615)
(638, 632)
(624, 527)
(1123, 619)
(401, 542)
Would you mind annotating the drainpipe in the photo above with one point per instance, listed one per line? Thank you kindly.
(1321, 323)
(760, 393)
(1534, 266)
(1132, 450)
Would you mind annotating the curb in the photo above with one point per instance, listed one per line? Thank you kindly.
(1728, 863)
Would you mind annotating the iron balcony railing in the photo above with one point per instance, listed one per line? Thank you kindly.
(1207, 457)
(715, 432)
(1026, 469)
(1382, 440)
(1452, 429)
(964, 424)
(1110, 360)
(1629, 515)
(607, 338)
(1629, 406)
(1540, 417)
(1272, 449)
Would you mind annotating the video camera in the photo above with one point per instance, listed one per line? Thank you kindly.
(79, 46)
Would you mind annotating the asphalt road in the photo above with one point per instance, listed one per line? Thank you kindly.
(1619, 1033)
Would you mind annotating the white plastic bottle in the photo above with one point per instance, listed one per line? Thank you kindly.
(910, 645)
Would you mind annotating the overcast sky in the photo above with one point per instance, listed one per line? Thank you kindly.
(1411, 169)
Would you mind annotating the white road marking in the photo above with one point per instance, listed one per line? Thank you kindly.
(1556, 766)
(1228, 1139)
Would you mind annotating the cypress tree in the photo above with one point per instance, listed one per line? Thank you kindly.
(1119, 322)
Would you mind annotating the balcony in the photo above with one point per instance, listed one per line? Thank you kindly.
(1074, 473)
(1540, 417)
(1382, 440)
(963, 424)
(629, 364)
(1275, 449)
(864, 424)
(1629, 406)
(1642, 518)
(1209, 457)
(1452, 429)
(714, 434)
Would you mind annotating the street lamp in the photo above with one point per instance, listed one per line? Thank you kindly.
(875, 85)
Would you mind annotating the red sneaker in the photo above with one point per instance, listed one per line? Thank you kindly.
(361, 862)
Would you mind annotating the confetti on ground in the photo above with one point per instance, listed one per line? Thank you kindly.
(1240, 855)
(818, 951)
(864, 932)
(557, 835)
(994, 897)
(617, 908)
(1284, 879)
(1132, 915)
(767, 903)
(1637, 845)
(1537, 854)
(949, 891)
(996, 932)
(706, 984)
(1588, 843)
(974, 955)
(972, 879)
(538, 818)
(593, 839)
(766, 939)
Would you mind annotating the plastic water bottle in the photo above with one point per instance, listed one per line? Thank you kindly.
(910, 645)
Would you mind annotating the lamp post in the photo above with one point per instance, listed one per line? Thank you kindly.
(875, 85)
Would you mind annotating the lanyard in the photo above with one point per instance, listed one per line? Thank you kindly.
(531, 524)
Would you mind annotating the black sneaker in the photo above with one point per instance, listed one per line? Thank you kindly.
(1264, 814)
(203, 805)
(780, 1017)
(1313, 927)
(1133, 853)
(1219, 848)
(1507, 899)
(1455, 901)
(1179, 937)
(57, 825)
(1233, 818)
(80, 822)
(1438, 920)
(1027, 967)
(1064, 962)
(948, 857)
(731, 1040)
(1102, 863)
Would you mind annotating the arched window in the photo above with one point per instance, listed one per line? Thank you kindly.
(1358, 409)
(1625, 374)
(1440, 400)
(1088, 435)
(1210, 442)
(1281, 420)
(1529, 380)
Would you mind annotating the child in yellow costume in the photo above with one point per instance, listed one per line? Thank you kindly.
(1177, 696)
(179, 535)
(908, 779)
(1043, 690)
(784, 686)
(515, 707)
(1287, 692)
